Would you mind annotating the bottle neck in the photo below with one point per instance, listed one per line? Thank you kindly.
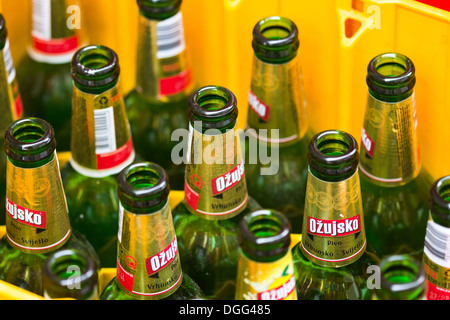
(333, 223)
(101, 142)
(37, 219)
(277, 101)
(55, 26)
(215, 186)
(389, 136)
(163, 71)
(148, 262)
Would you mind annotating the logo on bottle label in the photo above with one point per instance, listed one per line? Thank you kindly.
(280, 293)
(340, 239)
(227, 180)
(368, 143)
(163, 258)
(261, 109)
(36, 219)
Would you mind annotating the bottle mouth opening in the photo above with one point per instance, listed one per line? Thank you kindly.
(333, 147)
(275, 39)
(440, 198)
(64, 266)
(215, 106)
(401, 274)
(264, 233)
(29, 140)
(143, 185)
(159, 8)
(391, 74)
(95, 66)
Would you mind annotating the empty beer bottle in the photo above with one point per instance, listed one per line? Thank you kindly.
(394, 188)
(44, 72)
(216, 198)
(401, 278)
(277, 102)
(11, 103)
(436, 259)
(157, 106)
(331, 261)
(148, 261)
(101, 147)
(70, 274)
(37, 220)
(265, 268)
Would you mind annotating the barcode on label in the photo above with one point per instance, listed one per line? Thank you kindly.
(105, 132)
(170, 37)
(9, 62)
(437, 243)
(42, 28)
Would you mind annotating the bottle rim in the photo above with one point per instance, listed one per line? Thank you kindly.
(387, 84)
(267, 246)
(156, 193)
(439, 205)
(407, 264)
(93, 77)
(29, 140)
(159, 7)
(74, 256)
(215, 106)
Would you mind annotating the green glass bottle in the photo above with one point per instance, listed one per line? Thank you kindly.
(10, 106)
(70, 274)
(44, 72)
(216, 197)
(331, 261)
(157, 105)
(402, 278)
(277, 101)
(393, 185)
(436, 258)
(265, 268)
(101, 147)
(148, 260)
(37, 220)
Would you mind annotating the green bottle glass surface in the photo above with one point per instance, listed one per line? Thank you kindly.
(37, 219)
(436, 259)
(44, 72)
(70, 274)
(265, 267)
(401, 278)
(277, 102)
(394, 187)
(101, 147)
(148, 260)
(216, 197)
(11, 104)
(157, 105)
(331, 261)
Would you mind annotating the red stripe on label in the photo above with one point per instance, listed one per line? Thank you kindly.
(32, 218)
(436, 293)
(333, 228)
(175, 84)
(19, 106)
(367, 142)
(191, 196)
(260, 108)
(227, 180)
(113, 159)
(56, 46)
(161, 260)
(126, 279)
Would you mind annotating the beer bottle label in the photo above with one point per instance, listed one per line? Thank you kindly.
(52, 38)
(276, 101)
(37, 219)
(148, 261)
(333, 227)
(436, 260)
(266, 280)
(102, 143)
(163, 67)
(215, 186)
(389, 136)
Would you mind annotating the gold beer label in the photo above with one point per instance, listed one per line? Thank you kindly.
(436, 261)
(37, 218)
(164, 68)
(333, 227)
(148, 263)
(215, 186)
(276, 94)
(102, 143)
(389, 136)
(266, 280)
